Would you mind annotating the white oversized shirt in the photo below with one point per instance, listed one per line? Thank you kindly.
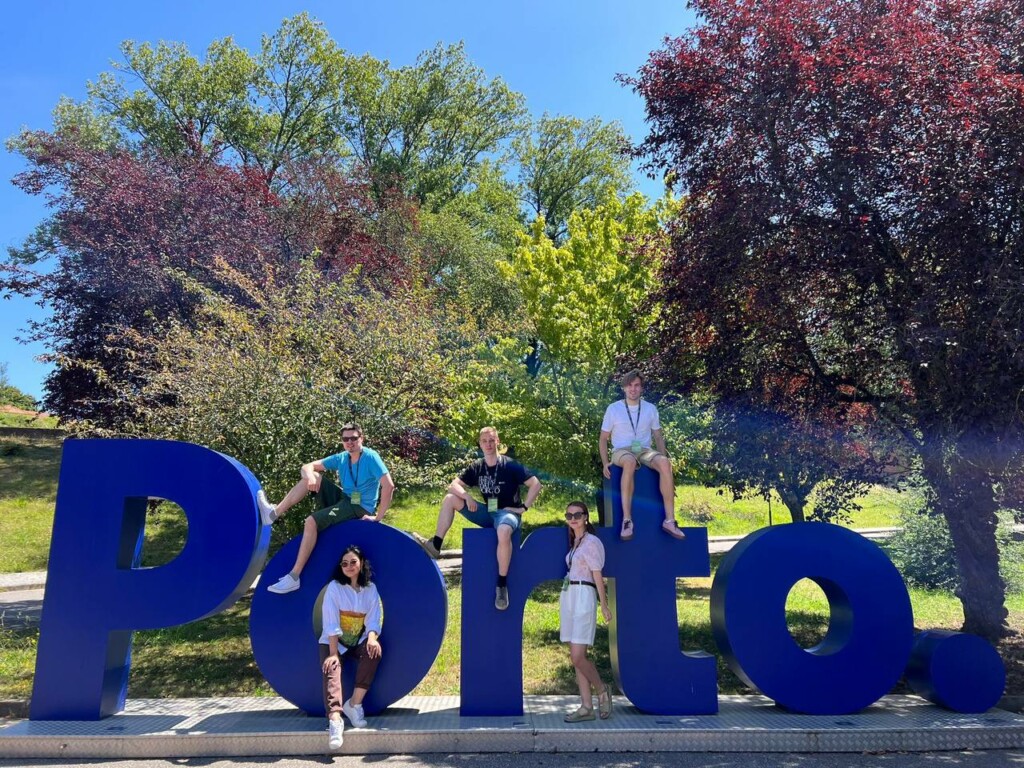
(616, 422)
(350, 615)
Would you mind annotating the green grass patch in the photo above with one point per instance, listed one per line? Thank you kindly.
(29, 466)
(30, 420)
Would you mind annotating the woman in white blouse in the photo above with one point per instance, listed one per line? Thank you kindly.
(351, 620)
(582, 589)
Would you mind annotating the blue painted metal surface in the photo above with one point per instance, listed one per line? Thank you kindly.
(285, 629)
(957, 671)
(492, 640)
(870, 631)
(647, 662)
(96, 593)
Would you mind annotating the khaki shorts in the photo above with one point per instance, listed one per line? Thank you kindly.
(646, 456)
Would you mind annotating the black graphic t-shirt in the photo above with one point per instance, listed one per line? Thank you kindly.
(501, 481)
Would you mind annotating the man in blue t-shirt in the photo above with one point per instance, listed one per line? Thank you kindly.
(363, 477)
(499, 479)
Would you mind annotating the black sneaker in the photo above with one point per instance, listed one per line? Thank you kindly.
(501, 598)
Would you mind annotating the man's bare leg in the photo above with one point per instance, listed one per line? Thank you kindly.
(504, 549)
(628, 463)
(273, 512)
(449, 506)
(309, 534)
(667, 486)
(668, 495)
(290, 581)
(504, 555)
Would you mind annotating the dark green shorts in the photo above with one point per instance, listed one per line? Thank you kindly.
(333, 506)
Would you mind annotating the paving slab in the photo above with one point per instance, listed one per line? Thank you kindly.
(237, 727)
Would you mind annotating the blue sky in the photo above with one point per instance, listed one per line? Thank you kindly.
(562, 55)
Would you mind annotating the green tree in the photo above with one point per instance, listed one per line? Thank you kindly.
(268, 108)
(586, 303)
(567, 164)
(426, 127)
(270, 378)
(11, 395)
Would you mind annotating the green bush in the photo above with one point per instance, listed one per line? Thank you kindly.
(923, 552)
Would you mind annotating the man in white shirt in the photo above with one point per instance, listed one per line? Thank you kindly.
(631, 424)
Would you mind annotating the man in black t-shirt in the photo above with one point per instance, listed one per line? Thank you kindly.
(499, 479)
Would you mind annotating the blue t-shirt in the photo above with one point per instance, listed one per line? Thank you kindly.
(363, 476)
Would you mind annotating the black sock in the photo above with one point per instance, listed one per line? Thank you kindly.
(503, 581)
(437, 542)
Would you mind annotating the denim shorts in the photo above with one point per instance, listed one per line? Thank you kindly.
(486, 519)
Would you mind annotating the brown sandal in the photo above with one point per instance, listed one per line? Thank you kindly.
(604, 702)
(581, 714)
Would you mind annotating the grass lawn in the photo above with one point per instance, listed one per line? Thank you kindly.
(18, 418)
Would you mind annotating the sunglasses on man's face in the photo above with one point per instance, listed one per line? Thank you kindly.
(575, 515)
(350, 438)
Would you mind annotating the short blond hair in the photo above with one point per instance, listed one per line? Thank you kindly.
(489, 431)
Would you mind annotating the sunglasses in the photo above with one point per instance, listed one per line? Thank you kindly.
(350, 438)
(349, 563)
(575, 515)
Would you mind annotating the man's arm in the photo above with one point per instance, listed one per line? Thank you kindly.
(602, 447)
(533, 486)
(456, 488)
(387, 490)
(659, 441)
(311, 473)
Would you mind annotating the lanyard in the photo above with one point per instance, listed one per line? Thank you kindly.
(492, 475)
(639, 405)
(572, 552)
(355, 476)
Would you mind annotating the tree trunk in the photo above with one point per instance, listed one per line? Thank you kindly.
(965, 496)
(794, 502)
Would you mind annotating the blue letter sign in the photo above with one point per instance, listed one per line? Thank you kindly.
(97, 594)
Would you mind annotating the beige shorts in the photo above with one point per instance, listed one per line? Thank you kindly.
(646, 456)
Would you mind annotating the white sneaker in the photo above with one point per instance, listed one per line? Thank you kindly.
(284, 585)
(354, 713)
(268, 512)
(336, 729)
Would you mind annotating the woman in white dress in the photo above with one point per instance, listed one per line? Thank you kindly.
(582, 590)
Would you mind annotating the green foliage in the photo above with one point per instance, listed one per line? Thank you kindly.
(428, 126)
(586, 304)
(923, 552)
(269, 108)
(588, 299)
(566, 165)
(11, 395)
(270, 382)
